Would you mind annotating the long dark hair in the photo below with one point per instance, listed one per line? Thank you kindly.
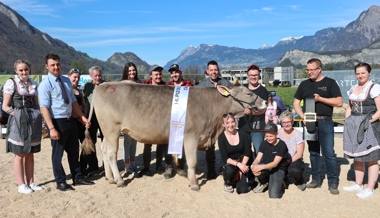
(126, 69)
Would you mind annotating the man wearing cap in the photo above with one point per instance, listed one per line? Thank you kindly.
(155, 79)
(212, 81)
(270, 163)
(254, 121)
(176, 75)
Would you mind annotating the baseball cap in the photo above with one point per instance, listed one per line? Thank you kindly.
(155, 68)
(174, 67)
(270, 127)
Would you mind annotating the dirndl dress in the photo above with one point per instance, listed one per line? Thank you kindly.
(24, 129)
(360, 137)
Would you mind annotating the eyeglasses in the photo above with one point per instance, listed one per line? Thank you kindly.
(287, 122)
(228, 114)
(255, 75)
(312, 70)
(75, 70)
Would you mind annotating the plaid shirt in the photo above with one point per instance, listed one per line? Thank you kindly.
(183, 83)
(149, 81)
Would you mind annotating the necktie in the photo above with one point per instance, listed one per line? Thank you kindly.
(64, 93)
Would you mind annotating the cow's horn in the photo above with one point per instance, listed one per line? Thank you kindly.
(236, 82)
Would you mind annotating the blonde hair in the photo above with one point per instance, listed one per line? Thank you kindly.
(20, 61)
(288, 114)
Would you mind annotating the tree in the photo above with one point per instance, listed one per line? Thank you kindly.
(304, 73)
(192, 69)
(328, 67)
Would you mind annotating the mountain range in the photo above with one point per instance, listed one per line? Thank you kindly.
(357, 35)
(358, 41)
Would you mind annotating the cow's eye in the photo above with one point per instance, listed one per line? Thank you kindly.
(249, 93)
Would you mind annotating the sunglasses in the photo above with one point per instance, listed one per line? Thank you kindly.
(228, 114)
(75, 70)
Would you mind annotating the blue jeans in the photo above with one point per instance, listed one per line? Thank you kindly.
(274, 178)
(257, 138)
(129, 148)
(326, 144)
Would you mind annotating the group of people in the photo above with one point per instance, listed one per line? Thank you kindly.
(278, 154)
(26, 102)
(256, 155)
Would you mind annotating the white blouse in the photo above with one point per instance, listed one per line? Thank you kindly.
(375, 91)
(29, 89)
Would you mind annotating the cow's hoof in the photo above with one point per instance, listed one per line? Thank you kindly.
(195, 187)
(111, 181)
(121, 185)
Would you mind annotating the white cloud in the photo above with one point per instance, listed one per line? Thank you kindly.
(294, 7)
(267, 9)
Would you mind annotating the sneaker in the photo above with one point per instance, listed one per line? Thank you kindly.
(365, 193)
(260, 188)
(334, 190)
(182, 172)
(168, 172)
(313, 184)
(35, 187)
(24, 189)
(353, 188)
(302, 187)
(228, 188)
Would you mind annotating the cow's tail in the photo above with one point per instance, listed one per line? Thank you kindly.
(88, 145)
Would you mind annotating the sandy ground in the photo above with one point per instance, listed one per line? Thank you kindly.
(157, 197)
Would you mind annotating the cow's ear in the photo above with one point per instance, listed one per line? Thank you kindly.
(223, 90)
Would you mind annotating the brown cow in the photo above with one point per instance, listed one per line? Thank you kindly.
(143, 112)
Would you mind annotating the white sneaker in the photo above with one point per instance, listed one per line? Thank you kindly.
(35, 187)
(353, 188)
(24, 189)
(260, 187)
(366, 193)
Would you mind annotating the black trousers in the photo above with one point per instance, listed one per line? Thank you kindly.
(68, 142)
(296, 169)
(210, 158)
(169, 159)
(147, 155)
(243, 185)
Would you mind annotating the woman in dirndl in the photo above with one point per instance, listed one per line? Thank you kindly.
(361, 131)
(24, 125)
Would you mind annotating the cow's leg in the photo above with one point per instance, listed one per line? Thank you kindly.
(191, 147)
(112, 155)
(107, 167)
(112, 145)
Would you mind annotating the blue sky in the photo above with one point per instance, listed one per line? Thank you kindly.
(157, 31)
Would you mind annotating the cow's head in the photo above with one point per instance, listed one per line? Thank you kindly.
(242, 98)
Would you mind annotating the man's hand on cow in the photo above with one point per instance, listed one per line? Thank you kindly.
(249, 111)
(54, 134)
